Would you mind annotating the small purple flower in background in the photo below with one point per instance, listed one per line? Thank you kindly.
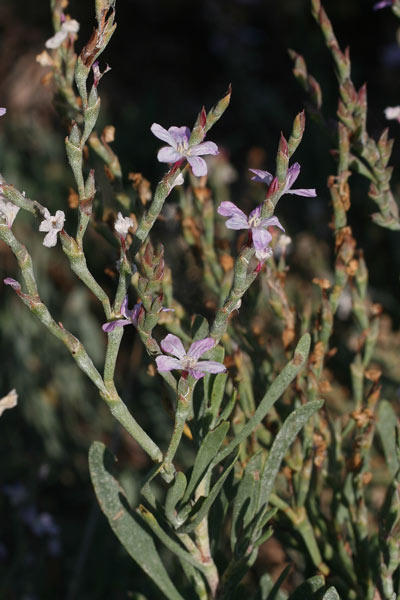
(52, 225)
(131, 316)
(122, 225)
(2, 111)
(258, 226)
(383, 4)
(178, 148)
(8, 211)
(292, 175)
(187, 361)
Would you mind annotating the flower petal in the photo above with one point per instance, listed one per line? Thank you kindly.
(199, 165)
(309, 193)
(292, 175)
(271, 222)
(168, 155)
(50, 239)
(198, 348)
(228, 209)
(211, 366)
(263, 176)
(196, 374)
(261, 238)
(45, 226)
(2, 111)
(107, 327)
(180, 135)
(204, 148)
(173, 345)
(167, 363)
(162, 134)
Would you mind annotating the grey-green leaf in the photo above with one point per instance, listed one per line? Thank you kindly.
(198, 516)
(175, 495)
(286, 436)
(208, 449)
(127, 526)
(245, 503)
(275, 391)
(307, 589)
(387, 426)
(331, 594)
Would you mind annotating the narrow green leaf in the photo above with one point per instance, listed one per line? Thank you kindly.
(275, 593)
(206, 503)
(278, 386)
(127, 526)
(306, 590)
(286, 436)
(331, 594)
(208, 449)
(387, 426)
(171, 544)
(175, 495)
(217, 396)
(245, 503)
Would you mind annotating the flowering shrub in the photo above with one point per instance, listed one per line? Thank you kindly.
(250, 388)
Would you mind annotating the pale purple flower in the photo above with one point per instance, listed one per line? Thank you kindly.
(52, 225)
(131, 317)
(2, 111)
(187, 361)
(383, 4)
(258, 226)
(8, 212)
(179, 149)
(67, 27)
(122, 225)
(16, 286)
(292, 175)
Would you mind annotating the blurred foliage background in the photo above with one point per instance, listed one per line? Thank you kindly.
(167, 59)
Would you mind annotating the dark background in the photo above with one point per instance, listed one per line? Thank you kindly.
(167, 59)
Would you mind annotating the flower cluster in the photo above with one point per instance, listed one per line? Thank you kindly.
(187, 361)
(260, 236)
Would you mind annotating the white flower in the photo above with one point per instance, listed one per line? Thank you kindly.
(8, 211)
(122, 224)
(52, 225)
(2, 111)
(392, 112)
(69, 26)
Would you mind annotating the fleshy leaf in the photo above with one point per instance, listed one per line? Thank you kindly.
(127, 526)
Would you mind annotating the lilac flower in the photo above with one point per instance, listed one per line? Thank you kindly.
(383, 4)
(257, 225)
(8, 212)
(2, 111)
(187, 361)
(131, 317)
(178, 148)
(52, 225)
(97, 74)
(67, 27)
(292, 175)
